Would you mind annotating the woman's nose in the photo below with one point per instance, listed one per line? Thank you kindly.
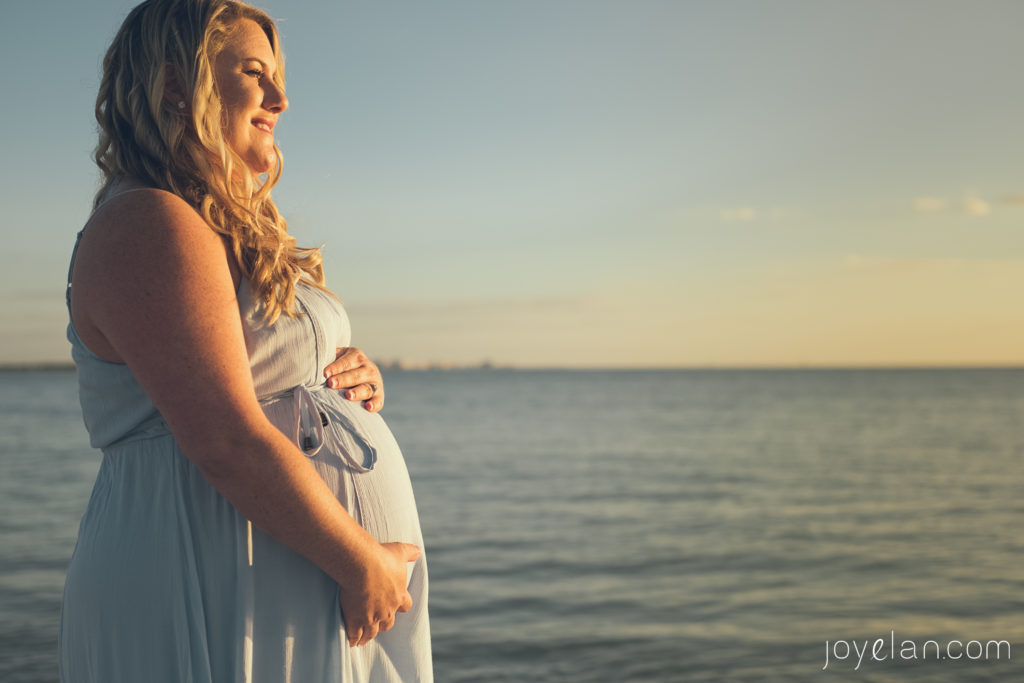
(274, 98)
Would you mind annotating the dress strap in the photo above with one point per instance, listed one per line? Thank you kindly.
(71, 268)
(134, 189)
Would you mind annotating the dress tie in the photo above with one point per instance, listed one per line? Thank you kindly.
(312, 417)
(310, 422)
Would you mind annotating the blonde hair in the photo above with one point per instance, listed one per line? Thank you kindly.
(145, 135)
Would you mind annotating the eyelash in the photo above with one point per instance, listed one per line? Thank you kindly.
(255, 72)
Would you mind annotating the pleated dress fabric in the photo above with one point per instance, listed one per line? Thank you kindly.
(169, 583)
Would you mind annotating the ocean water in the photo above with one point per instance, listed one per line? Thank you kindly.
(645, 525)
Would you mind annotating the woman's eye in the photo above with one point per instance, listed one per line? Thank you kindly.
(256, 73)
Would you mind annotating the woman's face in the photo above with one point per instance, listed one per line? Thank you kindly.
(250, 99)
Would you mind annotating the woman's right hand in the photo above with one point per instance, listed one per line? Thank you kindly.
(369, 603)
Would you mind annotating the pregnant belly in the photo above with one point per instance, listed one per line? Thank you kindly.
(355, 454)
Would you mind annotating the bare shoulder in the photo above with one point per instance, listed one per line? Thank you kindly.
(153, 289)
(144, 224)
(139, 251)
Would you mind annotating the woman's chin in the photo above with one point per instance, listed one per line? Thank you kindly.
(261, 165)
(262, 169)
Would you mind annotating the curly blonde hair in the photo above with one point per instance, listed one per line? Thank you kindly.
(145, 135)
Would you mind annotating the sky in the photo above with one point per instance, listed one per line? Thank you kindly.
(594, 183)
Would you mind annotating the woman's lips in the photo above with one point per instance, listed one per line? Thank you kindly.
(264, 125)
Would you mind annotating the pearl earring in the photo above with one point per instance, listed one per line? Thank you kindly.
(181, 104)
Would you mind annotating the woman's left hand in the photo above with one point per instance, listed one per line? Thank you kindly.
(357, 377)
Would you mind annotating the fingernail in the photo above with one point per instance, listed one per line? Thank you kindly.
(332, 383)
(350, 395)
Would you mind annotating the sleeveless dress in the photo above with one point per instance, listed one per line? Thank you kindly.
(168, 582)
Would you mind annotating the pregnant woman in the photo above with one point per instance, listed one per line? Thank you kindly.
(252, 519)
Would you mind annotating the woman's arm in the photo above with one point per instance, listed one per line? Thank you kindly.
(154, 281)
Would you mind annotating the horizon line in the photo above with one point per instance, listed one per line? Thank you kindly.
(395, 366)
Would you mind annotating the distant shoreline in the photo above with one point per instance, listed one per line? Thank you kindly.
(451, 367)
(37, 367)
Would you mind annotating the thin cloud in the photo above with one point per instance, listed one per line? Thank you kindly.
(976, 207)
(737, 215)
(970, 205)
(1014, 200)
(930, 204)
(853, 261)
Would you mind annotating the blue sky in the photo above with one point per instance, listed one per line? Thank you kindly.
(594, 183)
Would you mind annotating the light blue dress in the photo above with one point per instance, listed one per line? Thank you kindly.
(168, 582)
